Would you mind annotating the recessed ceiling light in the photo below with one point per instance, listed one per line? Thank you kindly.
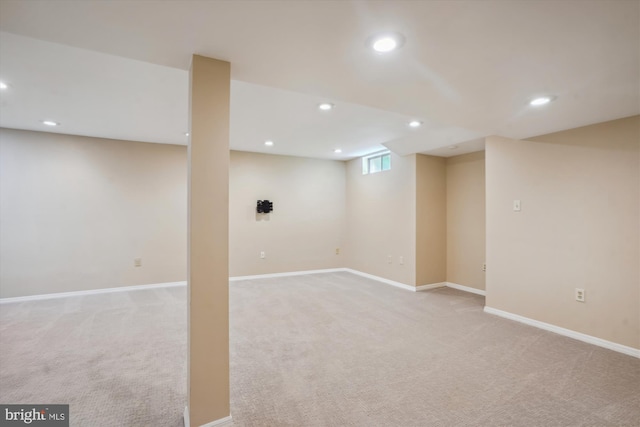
(3, 85)
(268, 143)
(387, 42)
(415, 123)
(337, 151)
(325, 106)
(186, 134)
(50, 123)
(541, 100)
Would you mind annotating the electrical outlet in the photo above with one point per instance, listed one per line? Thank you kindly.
(389, 259)
(484, 267)
(580, 295)
(401, 260)
(337, 251)
(263, 255)
(516, 206)
(137, 262)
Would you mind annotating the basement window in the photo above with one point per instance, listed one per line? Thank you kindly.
(376, 162)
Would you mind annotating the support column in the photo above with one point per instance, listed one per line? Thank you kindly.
(208, 248)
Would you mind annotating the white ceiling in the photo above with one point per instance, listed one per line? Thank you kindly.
(467, 69)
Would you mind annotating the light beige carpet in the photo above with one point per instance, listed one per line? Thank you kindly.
(117, 359)
(318, 350)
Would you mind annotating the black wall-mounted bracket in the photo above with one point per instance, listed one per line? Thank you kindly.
(264, 206)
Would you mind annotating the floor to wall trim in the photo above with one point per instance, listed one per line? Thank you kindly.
(238, 278)
(466, 288)
(381, 279)
(90, 292)
(360, 273)
(430, 286)
(222, 422)
(288, 273)
(566, 332)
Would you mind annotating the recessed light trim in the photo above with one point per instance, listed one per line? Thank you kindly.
(268, 143)
(385, 42)
(541, 100)
(50, 123)
(3, 85)
(415, 123)
(325, 106)
(337, 151)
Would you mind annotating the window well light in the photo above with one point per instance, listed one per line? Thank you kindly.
(337, 151)
(3, 85)
(415, 123)
(50, 123)
(541, 100)
(383, 43)
(325, 106)
(268, 143)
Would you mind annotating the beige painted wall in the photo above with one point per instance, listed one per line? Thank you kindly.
(208, 241)
(466, 220)
(308, 221)
(76, 211)
(578, 228)
(381, 220)
(431, 220)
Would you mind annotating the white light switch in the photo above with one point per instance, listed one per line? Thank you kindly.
(516, 205)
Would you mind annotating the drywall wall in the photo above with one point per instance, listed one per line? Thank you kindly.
(308, 221)
(208, 397)
(578, 228)
(466, 220)
(75, 212)
(431, 220)
(381, 220)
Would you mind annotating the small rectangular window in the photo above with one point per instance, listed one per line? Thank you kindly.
(376, 163)
(386, 162)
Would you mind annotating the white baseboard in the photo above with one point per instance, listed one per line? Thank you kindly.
(90, 292)
(288, 273)
(238, 278)
(431, 286)
(566, 332)
(382, 279)
(466, 288)
(222, 422)
(394, 283)
(338, 270)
